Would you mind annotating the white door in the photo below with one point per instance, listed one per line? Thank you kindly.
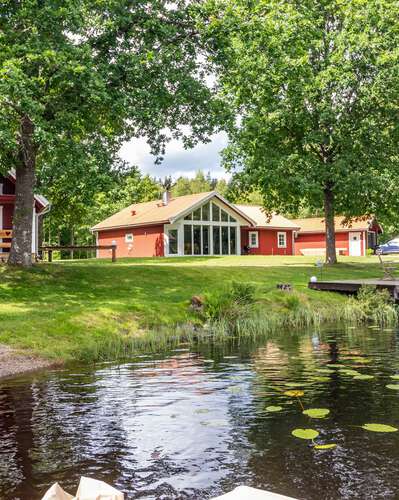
(355, 244)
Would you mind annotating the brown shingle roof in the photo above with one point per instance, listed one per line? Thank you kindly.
(317, 224)
(154, 212)
(257, 214)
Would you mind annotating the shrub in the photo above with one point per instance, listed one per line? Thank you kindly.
(372, 304)
(229, 304)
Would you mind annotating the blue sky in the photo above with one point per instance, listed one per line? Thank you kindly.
(177, 160)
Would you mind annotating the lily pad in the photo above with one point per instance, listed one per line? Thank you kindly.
(379, 428)
(334, 365)
(325, 370)
(294, 394)
(363, 377)
(305, 433)
(394, 377)
(361, 360)
(329, 446)
(273, 408)
(350, 373)
(321, 379)
(316, 412)
(294, 384)
(394, 387)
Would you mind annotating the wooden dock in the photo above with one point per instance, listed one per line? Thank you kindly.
(352, 286)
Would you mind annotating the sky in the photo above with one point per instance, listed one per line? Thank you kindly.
(177, 161)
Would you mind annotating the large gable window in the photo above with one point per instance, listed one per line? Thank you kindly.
(210, 230)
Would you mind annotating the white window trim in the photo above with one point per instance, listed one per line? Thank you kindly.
(129, 238)
(284, 234)
(250, 234)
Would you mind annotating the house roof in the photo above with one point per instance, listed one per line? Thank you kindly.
(154, 212)
(256, 213)
(317, 224)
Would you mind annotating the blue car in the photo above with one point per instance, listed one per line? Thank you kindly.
(391, 246)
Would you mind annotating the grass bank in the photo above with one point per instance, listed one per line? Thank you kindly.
(96, 309)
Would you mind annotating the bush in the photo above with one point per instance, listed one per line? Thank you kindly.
(372, 304)
(229, 304)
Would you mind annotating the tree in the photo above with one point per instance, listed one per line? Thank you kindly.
(316, 87)
(75, 73)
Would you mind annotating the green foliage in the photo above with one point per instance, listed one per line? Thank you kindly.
(373, 305)
(229, 304)
(316, 86)
(201, 183)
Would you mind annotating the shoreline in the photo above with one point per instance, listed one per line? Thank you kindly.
(13, 362)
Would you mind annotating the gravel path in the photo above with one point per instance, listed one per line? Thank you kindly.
(13, 362)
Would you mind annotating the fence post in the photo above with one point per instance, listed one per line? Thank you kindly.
(50, 256)
(113, 253)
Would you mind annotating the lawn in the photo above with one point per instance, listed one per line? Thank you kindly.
(61, 310)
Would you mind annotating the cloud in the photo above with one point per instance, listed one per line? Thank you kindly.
(177, 160)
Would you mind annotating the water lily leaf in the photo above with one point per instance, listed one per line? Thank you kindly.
(350, 373)
(305, 433)
(329, 446)
(394, 387)
(363, 377)
(294, 384)
(273, 408)
(379, 428)
(361, 360)
(325, 370)
(294, 394)
(334, 365)
(321, 379)
(394, 377)
(316, 412)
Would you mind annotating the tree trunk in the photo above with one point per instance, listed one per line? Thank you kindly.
(329, 212)
(21, 246)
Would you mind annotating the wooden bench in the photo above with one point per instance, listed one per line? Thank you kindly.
(5, 234)
(388, 268)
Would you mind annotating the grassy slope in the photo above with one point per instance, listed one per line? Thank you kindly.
(60, 310)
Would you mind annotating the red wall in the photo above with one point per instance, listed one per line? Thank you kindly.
(318, 240)
(7, 216)
(147, 242)
(267, 239)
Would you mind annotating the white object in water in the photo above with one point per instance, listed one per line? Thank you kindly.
(313, 279)
(89, 489)
(247, 493)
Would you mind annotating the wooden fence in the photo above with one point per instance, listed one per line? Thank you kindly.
(71, 248)
(5, 234)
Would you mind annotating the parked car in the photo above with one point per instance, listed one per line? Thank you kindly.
(391, 246)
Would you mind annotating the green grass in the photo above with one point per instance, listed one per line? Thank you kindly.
(89, 309)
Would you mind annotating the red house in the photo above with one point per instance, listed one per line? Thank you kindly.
(198, 224)
(7, 201)
(351, 238)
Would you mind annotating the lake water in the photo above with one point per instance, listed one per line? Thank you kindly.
(192, 423)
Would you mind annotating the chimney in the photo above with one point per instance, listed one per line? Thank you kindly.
(165, 198)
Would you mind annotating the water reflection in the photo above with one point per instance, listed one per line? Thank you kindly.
(181, 426)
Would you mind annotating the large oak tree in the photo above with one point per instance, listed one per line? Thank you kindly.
(75, 74)
(315, 86)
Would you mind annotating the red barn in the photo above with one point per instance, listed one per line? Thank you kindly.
(351, 238)
(7, 201)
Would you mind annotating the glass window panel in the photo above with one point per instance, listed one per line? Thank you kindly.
(197, 214)
(188, 217)
(197, 240)
(188, 245)
(233, 241)
(216, 240)
(205, 211)
(205, 240)
(225, 240)
(215, 213)
(225, 216)
(173, 242)
(232, 219)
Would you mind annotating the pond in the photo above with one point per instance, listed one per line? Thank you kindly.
(195, 422)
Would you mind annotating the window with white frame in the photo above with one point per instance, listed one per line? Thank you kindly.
(253, 239)
(282, 240)
(128, 238)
